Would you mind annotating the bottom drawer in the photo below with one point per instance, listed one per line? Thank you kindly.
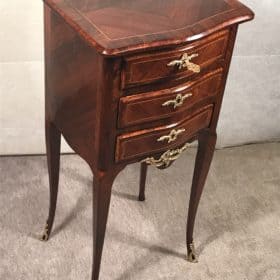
(140, 143)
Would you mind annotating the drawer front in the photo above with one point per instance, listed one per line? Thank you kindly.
(147, 107)
(145, 142)
(154, 67)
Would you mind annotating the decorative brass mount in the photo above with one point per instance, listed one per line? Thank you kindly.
(185, 62)
(192, 254)
(45, 235)
(167, 158)
(178, 101)
(172, 136)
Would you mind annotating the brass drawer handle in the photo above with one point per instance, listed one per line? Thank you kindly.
(167, 158)
(178, 101)
(172, 135)
(185, 62)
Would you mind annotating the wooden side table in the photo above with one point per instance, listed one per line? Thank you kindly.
(135, 81)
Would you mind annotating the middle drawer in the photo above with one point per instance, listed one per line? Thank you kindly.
(151, 106)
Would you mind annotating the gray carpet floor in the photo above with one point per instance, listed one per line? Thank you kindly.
(237, 231)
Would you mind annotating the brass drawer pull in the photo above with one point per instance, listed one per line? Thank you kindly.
(185, 62)
(167, 158)
(172, 135)
(178, 101)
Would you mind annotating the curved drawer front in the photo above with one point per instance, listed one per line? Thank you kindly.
(145, 142)
(154, 67)
(142, 108)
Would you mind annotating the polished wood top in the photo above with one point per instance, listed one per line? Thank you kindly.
(121, 26)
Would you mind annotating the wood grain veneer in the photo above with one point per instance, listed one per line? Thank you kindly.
(144, 142)
(147, 107)
(152, 67)
(106, 78)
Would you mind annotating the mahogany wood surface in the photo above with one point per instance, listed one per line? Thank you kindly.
(144, 142)
(152, 67)
(147, 107)
(107, 77)
(206, 146)
(117, 27)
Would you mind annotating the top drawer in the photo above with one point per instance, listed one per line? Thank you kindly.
(143, 69)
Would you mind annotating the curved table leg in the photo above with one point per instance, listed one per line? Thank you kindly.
(143, 176)
(102, 188)
(53, 140)
(206, 147)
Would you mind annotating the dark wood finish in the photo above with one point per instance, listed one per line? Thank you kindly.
(106, 78)
(144, 142)
(143, 177)
(102, 187)
(206, 146)
(53, 140)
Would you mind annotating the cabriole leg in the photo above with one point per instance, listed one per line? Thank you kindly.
(102, 188)
(143, 176)
(53, 140)
(206, 147)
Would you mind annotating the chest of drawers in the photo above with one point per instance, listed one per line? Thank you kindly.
(135, 81)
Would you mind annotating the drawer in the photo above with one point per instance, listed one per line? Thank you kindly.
(154, 67)
(147, 107)
(149, 141)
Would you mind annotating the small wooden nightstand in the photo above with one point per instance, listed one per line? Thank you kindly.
(135, 81)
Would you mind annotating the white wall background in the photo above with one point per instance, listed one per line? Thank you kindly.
(251, 109)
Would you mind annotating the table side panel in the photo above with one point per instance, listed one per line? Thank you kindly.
(71, 92)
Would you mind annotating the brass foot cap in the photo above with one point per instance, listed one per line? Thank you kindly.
(45, 235)
(191, 254)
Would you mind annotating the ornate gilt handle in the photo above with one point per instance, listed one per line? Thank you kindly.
(178, 101)
(172, 136)
(167, 158)
(185, 62)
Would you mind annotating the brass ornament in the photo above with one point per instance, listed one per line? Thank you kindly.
(192, 254)
(45, 235)
(185, 62)
(167, 158)
(178, 101)
(172, 136)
